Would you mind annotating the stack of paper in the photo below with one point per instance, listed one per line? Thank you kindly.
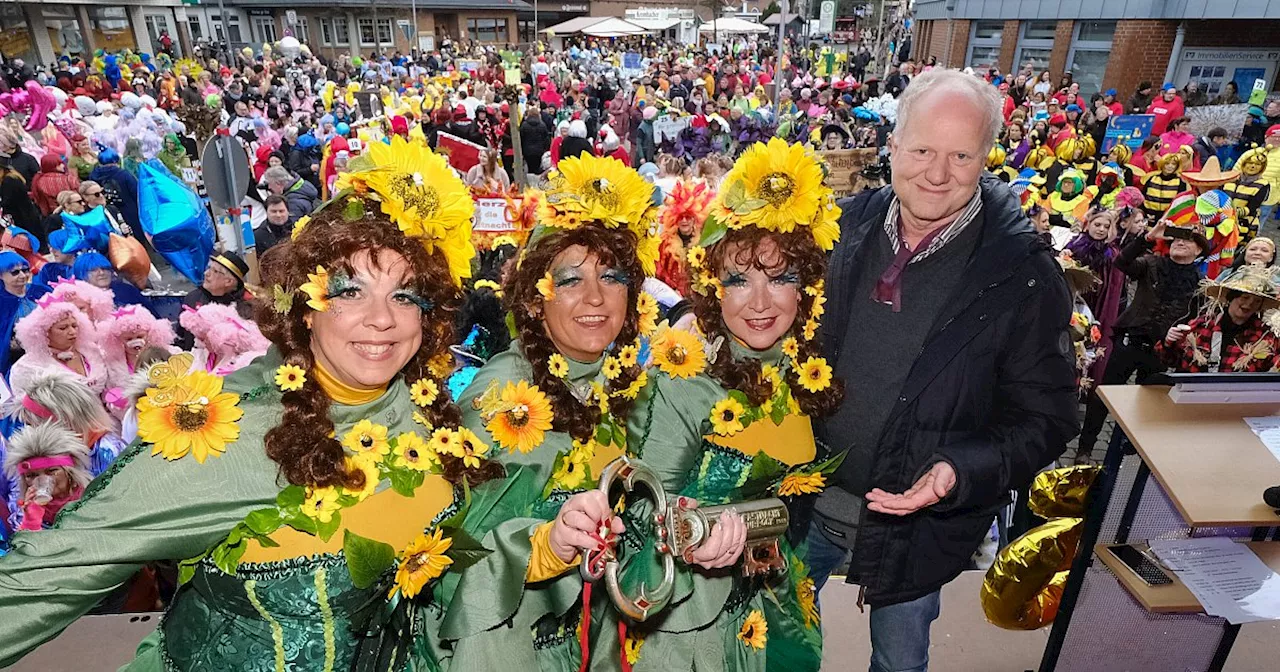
(1227, 578)
(1268, 430)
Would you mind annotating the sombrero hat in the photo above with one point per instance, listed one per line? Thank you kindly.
(1211, 176)
(1249, 279)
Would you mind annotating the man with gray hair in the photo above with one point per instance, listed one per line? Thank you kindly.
(947, 319)
(301, 196)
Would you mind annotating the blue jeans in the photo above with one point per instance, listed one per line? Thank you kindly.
(899, 632)
(1264, 216)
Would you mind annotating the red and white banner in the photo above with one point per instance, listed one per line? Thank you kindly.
(463, 155)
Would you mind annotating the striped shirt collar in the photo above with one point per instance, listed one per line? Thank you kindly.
(970, 213)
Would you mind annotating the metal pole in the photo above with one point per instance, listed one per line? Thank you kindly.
(777, 73)
(535, 22)
(1174, 56)
(414, 46)
(226, 32)
(377, 39)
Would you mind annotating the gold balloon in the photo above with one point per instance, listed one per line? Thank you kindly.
(1062, 493)
(1023, 588)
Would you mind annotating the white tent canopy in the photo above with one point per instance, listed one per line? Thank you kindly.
(614, 27)
(573, 26)
(657, 25)
(732, 25)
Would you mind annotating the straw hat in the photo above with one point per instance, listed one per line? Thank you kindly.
(1211, 176)
(1249, 279)
(1079, 278)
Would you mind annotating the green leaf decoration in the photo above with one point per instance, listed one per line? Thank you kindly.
(303, 523)
(779, 411)
(227, 557)
(619, 435)
(406, 481)
(604, 434)
(555, 466)
(264, 521)
(765, 468)
(267, 542)
(465, 551)
(187, 568)
(292, 496)
(455, 521)
(829, 465)
(326, 530)
(712, 231)
(282, 300)
(354, 209)
(367, 559)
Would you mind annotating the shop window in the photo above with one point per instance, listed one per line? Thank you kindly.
(384, 32)
(299, 30)
(365, 26)
(369, 30)
(334, 32)
(1089, 54)
(527, 30)
(1039, 30)
(265, 27)
(193, 25)
(1037, 58)
(988, 30)
(111, 29)
(984, 45)
(1035, 42)
(233, 27)
(487, 30)
(15, 40)
(64, 29)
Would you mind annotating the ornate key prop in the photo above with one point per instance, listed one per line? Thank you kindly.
(680, 529)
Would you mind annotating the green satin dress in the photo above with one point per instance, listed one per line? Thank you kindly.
(515, 626)
(292, 603)
(706, 628)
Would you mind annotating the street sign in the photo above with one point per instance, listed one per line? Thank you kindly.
(827, 17)
(226, 171)
(291, 17)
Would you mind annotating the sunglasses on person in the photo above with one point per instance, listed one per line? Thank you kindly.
(15, 272)
(94, 193)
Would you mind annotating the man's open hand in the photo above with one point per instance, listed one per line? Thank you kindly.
(927, 491)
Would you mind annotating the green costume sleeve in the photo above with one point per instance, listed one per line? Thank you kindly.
(142, 509)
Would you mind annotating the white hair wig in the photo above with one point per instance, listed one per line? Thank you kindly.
(982, 94)
(48, 440)
(72, 403)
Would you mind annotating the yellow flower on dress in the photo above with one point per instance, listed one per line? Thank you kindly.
(790, 347)
(367, 437)
(572, 471)
(627, 356)
(421, 562)
(317, 289)
(726, 417)
(321, 503)
(298, 226)
(816, 288)
(290, 378)
(755, 631)
(441, 365)
(422, 420)
(810, 329)
(557, 365)
(444, 441)
(774, 186)
(470, 448)
(815, 374)
(611, 368)
(522, 419)
(424, 392)
(647, 309)
(794, 485)
(819, 303)
(190, 414)
(412, 452)
(547, 287)
(806, 596)
(423, 196)
(633, 644)
(633, 390)
(366, 465)
(678, 353)
(697, 256)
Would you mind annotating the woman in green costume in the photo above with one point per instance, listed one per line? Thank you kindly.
(728, 417)
(317, 500)
(557, 402)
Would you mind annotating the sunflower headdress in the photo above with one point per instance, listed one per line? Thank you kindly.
(419, 192)
(592, 191)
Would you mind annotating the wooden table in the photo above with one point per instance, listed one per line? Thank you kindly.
(1174, 598)
(1213, 467)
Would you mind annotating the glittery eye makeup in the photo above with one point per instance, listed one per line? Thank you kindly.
(786, 278)
(615, 275)
(734, 279)
(343, 286)
(411, 297)
(565, 276)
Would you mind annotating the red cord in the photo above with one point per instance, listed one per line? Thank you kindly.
(584, 637)
(622, 637)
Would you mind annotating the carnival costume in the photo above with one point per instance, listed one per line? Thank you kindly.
(32, 450)
(129, 331)
(32, 332)
(1249, 347)
(224, 341)
(1249, 192)
(561, 419)
(278, 574)
(688, 201)
(720, 445)
(1069, 202)
(996, 164)
(1160, 188)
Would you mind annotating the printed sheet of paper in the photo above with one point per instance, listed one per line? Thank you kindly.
(1227, 578)
(1268, 430)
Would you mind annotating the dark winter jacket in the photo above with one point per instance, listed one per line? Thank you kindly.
(992, 392)
(121, 191)
(301, 198)
(535, 139)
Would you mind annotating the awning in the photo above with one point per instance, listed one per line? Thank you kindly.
(574, 26)
(614, 27)
(732, 25)
(656, 25)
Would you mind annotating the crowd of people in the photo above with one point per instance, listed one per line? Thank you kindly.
(677, 283)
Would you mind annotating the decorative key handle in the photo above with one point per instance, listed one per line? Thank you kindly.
(681, 527)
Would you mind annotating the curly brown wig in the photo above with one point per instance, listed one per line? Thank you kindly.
(799, 254)
(613, 247)
(303, 444)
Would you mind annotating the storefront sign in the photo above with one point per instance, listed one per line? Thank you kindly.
(574, 8)
(491, 215)
(259, 12)
(1212, 69)
(1129, 129)
(844, 169)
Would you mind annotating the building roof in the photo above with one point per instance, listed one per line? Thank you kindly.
(424, 5)
(776, 18)
(574, 25)
(1097, 9)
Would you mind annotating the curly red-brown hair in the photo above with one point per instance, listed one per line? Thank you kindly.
(798, 253)
(303, 443)
(613, 247)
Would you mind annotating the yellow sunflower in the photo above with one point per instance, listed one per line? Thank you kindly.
(424, 197)
(816, 288)
(815, 374)
(697, 256)
(780, 187)
(369, 468)
(524, 419)
(422, 561)
(441, 365)
(773, 375)
(810, 329)
(633, 390)
(678, 353)
(755, 631)
(557, 365)
(367, 437)
(627, 355)
(826, 226)
(794, 485)
(547, 287)
(611, 368)
(819, 307)
(726, 417)
(806, 595)
(647, 310)
(298, 226)
(601, 190)
(321, 504)
(317, 289)
(470, 448)
(424, 392)
(633, 644)
(444, 441)
(790, 347)
(412, 452)
(422, 420)
(290, 378)
(572, 471)
(190, 415)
